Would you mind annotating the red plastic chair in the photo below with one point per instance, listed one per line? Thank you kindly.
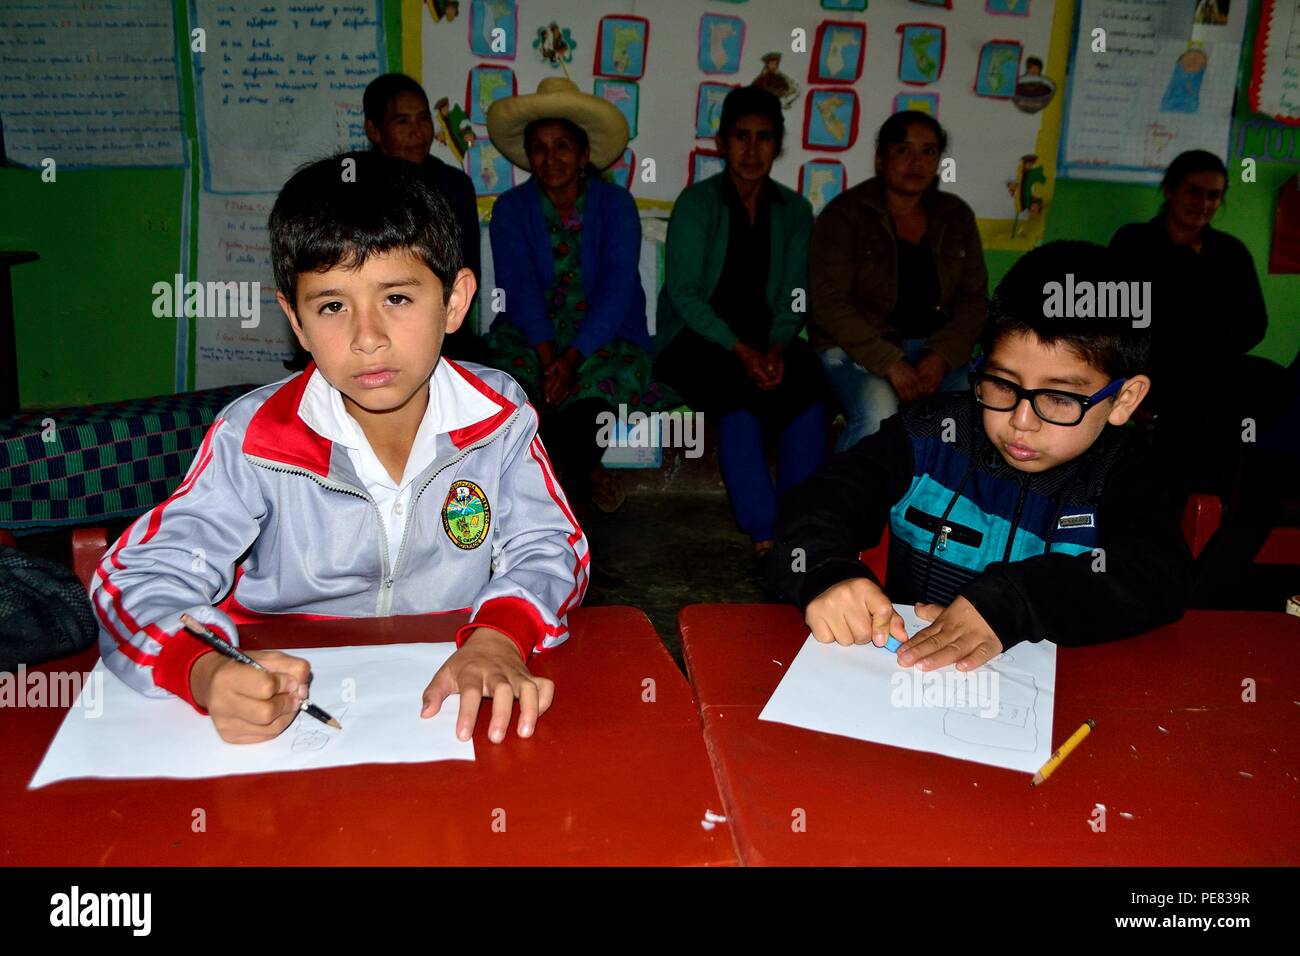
(88, 546)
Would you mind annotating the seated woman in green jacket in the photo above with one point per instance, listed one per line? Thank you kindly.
(731, 309)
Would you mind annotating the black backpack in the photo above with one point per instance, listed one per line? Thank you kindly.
(44, 611)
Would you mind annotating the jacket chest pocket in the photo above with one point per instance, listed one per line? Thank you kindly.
(944, 530)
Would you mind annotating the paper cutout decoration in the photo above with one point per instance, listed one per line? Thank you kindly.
(1007, 8)
(703, 164)
(922, 48)
(783, 87)
(555, 46)
(626, 96)
(721, 43)
(838, 52)
(1284, 254)
(1033, 90)
(920, 102)
(1023, 198)
(999, 65)
(622, 43)
(844, 5)
(830, 119)
(708, 108)
(440, 9)
(486, 85)
(489, 171)
(1183, 94)
(820, 181)
(493, 28)
(620, 171)
(1272, 69)
(451, 128)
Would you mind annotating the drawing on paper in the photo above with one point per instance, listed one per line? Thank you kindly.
(1013, 725)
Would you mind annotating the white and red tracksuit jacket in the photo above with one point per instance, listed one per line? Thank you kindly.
(273, 521)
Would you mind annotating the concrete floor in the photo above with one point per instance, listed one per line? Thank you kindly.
(664, 550)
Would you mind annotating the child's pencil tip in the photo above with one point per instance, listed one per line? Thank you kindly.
(334, 723)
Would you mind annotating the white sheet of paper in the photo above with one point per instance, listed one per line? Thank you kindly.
(373, 691)
(999, 714)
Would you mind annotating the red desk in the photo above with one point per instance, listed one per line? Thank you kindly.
(1186, 787)
(606, 780)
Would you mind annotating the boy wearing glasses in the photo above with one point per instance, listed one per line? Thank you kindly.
(1019, 510)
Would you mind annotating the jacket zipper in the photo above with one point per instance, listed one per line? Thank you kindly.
(406, 527)
(947, 529)
(1015, 521)
(389, 573)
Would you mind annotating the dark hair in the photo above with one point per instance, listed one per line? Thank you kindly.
(1187, 164)
(894, 131)
(381, 92)
(320, 220)
(1111, 345)
(752, 101)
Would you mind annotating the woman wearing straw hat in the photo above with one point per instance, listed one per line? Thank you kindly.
(566, 248)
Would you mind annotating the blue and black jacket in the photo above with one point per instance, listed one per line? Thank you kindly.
(1086, 552)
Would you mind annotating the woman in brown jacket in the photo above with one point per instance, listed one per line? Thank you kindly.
(899, 286)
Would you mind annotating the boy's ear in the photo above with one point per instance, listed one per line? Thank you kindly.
(372, 133)
(294, 324)
(1128, 399)
(462, 294)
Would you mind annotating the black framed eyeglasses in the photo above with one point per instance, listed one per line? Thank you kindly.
(1052, 405)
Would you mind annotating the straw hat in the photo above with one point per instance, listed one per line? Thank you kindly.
(558, 98)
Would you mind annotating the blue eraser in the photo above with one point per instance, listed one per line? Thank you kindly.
(892, 643)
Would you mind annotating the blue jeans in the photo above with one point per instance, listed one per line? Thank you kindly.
(869, 399)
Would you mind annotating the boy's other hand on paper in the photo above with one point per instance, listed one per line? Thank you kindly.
(247, 705)
(488, 665)
(957, 634)
(856, 611)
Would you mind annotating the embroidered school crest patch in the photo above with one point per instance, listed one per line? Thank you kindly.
(466, 515)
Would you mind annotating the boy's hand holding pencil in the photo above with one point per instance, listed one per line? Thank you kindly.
(248, 705)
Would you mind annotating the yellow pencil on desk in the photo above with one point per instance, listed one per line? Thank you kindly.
(1062, 752)
(235, 654)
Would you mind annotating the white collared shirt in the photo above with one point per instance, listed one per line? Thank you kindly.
(453, 404)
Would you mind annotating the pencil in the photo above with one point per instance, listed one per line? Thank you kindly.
(1062, 752)
(235, 654)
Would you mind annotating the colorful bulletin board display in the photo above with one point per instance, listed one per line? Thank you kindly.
(820, 181)
(721, 43)
(623, 94)
(838, 52)
(488, 169)
(620, 171)
(494, 29)
(999, 67)
(1166, 83)
(622, 46)
(1275, 68)
(708, 107)
(858, 5)
(920, 102)
(830, 119)
(921, 52)
(675, 122)
(1007, 8)
(705, 163)
(486, 84)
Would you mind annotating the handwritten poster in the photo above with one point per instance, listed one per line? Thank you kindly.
(235, 246)
(90, 83)
(1275, 81)
(1164, 84)
(280, 85)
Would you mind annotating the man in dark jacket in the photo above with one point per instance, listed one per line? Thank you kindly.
(1019, 511)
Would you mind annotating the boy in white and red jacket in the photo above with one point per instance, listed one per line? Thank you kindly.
(378, 481)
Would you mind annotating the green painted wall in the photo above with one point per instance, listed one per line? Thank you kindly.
(85, 331)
